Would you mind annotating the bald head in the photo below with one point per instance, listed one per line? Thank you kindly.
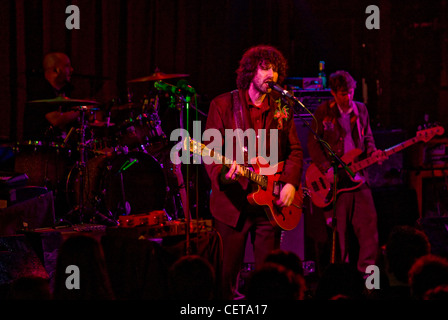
(57, 68)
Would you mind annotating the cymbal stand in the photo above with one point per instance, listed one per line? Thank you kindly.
(81, 164)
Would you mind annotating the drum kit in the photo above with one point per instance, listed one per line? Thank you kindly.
(110, 165)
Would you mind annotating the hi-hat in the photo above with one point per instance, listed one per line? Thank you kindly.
(64, 101)
(159, 76)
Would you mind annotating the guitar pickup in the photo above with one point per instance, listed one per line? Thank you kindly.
(277, 187)
(322, 182)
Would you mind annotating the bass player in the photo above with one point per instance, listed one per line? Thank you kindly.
(344, 125)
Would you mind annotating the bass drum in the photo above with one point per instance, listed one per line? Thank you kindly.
(137, 180)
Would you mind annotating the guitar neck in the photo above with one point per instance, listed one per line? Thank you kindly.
(246, 172)
(358, 166)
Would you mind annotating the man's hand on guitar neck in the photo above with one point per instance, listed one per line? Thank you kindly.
(234, 172)
(380, 155)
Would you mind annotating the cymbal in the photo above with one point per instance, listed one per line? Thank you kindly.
(65, 101)
(159, 76)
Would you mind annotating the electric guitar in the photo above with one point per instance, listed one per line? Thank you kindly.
(268, 186)
(321, 190)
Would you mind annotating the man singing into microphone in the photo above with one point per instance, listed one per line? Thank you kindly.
(260, 108)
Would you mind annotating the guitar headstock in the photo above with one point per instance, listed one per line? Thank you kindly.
(428, 134)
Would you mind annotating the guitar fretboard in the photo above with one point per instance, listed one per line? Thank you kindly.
(201, 149)
(424, 135)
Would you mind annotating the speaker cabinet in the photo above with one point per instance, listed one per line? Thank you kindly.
(395, 205)
(436, 230)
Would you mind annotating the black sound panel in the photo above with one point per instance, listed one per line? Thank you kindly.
(435, 197)
(395, 205)
(37, 212)
(436, 229)
(18, 259)
(302, 132)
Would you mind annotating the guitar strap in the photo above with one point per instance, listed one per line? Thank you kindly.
(238, 117)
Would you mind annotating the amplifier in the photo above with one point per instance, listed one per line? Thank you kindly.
(311, 99)
(165, 229)
(146, 219)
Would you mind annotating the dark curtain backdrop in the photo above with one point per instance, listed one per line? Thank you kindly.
(121, 40)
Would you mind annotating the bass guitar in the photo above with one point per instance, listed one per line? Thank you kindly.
(321, 190)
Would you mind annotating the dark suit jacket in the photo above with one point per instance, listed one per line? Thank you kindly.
(228, 201)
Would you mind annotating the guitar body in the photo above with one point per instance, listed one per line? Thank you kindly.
(321, 190)
(287, 218)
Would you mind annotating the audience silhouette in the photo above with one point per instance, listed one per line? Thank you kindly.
(427, 273)
(191, 277)
(404, 246)
(272, 281)
(86, 253)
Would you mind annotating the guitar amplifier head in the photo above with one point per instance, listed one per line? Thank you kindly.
(311, 99)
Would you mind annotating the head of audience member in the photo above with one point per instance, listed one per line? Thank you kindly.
(191, 277)
(272, 281)
(438, 293)
(286, 258)
(404, 246)
(86, 254)
(340, 281)
(427, 273)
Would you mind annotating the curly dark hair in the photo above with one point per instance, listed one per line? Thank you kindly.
(253, 57)
(341, 81)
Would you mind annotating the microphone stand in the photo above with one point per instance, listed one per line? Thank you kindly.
(336, 162)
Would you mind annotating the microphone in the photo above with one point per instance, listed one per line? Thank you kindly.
(277, 88)
(183, 87)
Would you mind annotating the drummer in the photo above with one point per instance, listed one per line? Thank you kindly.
(42, 122)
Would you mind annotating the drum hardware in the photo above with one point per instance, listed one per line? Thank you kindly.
(132, 183)
(80, 165)
(124, 207)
